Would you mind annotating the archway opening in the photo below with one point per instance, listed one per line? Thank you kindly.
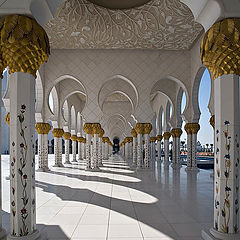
(205, 134)
(116, 146)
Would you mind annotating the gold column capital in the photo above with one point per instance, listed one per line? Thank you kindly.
(67, 135)
(166, 135)
(139, 127)
(133, 133)
(74, 137)
(188, 128)
(152, 139)
(220, 51)
(176, 132)
(212, 121)
(96, 127)
(195, 128)
(192, 128)
(42, 128)
(80, 139)
(24, 44)
(147, 128)
(87, 128)
(7, 118)
(101, 133)
(159, 138)
(58, 132)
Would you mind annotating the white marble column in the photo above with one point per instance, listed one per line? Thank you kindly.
(147, 130)
(100, 149)
(192, 129)
(88, 130)
(88, 151)
(134, 152)
(139, 127)
(147, 151)
(2, 230)
(126, 148)
(159, 139)
(22, 157)
(226, 176)
(176, 133)
(58, 133)
(189, 147)
(131, 148)
(67, 137)
(166, 137)
(84, 148)
(80, 139)
(153, 152)
(23, 61)
(74, 148)
(95, 153)
(103, 148)
(43, 130)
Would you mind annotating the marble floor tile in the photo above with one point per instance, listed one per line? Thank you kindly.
(118, 203)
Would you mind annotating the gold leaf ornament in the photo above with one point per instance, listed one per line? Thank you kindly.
(24, 44)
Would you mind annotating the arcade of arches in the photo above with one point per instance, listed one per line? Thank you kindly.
(106, 82)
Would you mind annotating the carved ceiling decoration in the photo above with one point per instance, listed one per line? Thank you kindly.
(158, 24)
(117, 97)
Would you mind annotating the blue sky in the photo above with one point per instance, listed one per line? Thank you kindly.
(205, 134)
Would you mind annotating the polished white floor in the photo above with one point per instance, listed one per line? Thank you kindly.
(118, 203)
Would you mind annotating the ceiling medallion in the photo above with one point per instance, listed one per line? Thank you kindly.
(119, 4)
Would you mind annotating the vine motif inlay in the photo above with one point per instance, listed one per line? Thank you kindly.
(23, 177)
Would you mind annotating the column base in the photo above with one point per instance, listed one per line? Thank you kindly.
(96, 169)
(46, 169)
(34, 236)
(58, 165)
(176, 165)
(68, 162)
(212, 234)
(192, 169)
(100, 165)
(88, 169)
(3, 234)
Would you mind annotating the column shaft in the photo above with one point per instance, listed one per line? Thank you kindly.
(95, 152)
(134, 151)
(226, 190)
(88, 151)
(139, 151)
(58, 152)
(2, 231)
(147, 152)
(74, 151)
(22, 155)
(79, 151)
(100, 153)
(67, 158)
(166, 152)
(189, 151)
(43, 152)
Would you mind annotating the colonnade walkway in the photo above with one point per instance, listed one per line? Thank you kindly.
(119, 203)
